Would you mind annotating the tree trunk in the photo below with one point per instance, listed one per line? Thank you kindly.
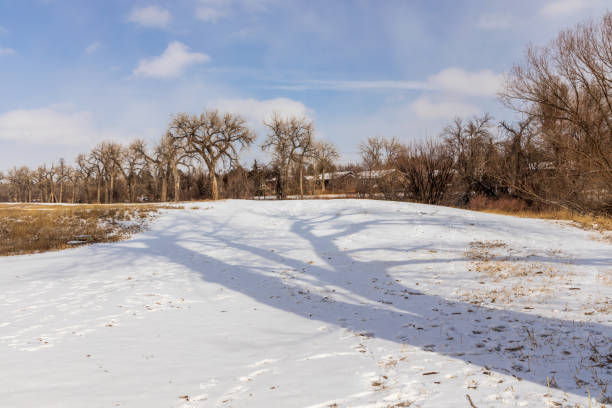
(177, 183)
(99, 194)
(130, 188)
(301, 181)
(112, 187)
(284, 180)
(61, 194)
(322, 181)
(279, 186)
(213, 185)
(164, 187)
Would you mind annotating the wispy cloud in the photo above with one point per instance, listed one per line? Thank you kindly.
(150, 16)
(494, 21)
(49, 125)
(451, 80)
(213, 10)
(211, 14)
(426, 108)
(341, 85)
(258, 110)
(557, 8)
(7, 51)
(173, 62)
(93, 47)
(3, 29)
(457, 80)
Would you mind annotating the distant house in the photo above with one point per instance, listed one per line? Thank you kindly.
(374, 174)
(331, 176)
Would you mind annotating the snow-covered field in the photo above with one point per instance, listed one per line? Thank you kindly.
(343, 303)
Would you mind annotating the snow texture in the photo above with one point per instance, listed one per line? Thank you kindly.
(330, 303)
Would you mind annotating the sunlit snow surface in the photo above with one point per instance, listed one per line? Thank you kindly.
(310, 304)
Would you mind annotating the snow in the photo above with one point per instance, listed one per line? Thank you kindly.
(356, 303)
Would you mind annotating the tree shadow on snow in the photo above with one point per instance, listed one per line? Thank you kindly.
(363, 297)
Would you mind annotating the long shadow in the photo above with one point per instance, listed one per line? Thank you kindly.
(363, 297)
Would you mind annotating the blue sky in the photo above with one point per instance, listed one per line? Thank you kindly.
(75, 72)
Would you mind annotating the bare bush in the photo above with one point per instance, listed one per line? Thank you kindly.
(427, 171)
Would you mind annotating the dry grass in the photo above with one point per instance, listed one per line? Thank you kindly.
(589, 222)
(605, 278)
(31, 228)
(513, 276)
(518, 208)
(598, 223)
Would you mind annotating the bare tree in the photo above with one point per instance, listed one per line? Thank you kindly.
(106, 157)
(74, 176)
(177, 154)
(372, 153)
(85, 171)
(324, 156)
(131, 162)
(95, 161)
(291, 141)
(160, 162)
(215, 138)
(283, 151)
(21, 183)
(40, 181)
(474, 153)
(301, 134)
(61, 174)
(566, 87)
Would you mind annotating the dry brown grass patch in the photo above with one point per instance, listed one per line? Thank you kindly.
(497, 263)
(605, 278)
(31, 228)
(481, 250)
(502, 270)
(599, 223)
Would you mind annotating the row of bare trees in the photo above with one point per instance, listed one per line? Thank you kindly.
(472, 158)
(478, 158)
(198, 157)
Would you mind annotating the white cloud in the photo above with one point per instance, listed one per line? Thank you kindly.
(457, 80)
(150, 16)
(425, 108)
(93, 47)
(7, 51)
(48, 126)
(256, 111)
(558, 8)
(495, 22)
(173, 62)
